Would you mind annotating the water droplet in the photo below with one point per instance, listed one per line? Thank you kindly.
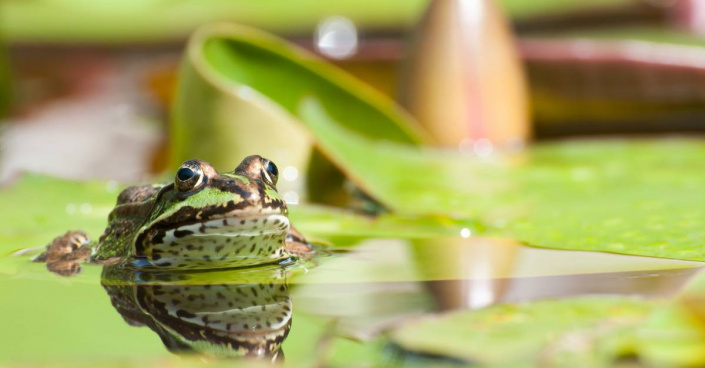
(465, 232)
(336, 37)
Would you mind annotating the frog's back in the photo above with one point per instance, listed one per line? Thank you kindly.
(138, 194)
(132, 208)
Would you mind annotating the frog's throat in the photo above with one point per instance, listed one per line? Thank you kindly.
(225, 242)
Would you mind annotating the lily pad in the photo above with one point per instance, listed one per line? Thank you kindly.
(228, 62)
(588, 332)
(634, 197)
(539, 332)
(45, 207)
(640, 197)
(39, 208)
(240, 90)
(330, 222)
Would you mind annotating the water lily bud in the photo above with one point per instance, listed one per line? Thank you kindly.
(463, 79)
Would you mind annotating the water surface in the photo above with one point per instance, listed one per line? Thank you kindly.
(338, 303)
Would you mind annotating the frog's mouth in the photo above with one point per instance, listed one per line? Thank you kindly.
(235, 239)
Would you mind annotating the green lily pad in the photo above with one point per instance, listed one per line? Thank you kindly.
(632, 197)
(541, 332)
(586, 332)
(226, 64)
(43, 208)
(636, 197)
(239, 93)
(330, 222)
(46, 207)
(640, 197)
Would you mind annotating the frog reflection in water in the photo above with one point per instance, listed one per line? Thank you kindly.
(203, 220)
(247, 317)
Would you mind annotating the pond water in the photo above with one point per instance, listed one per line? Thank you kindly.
(337, 306)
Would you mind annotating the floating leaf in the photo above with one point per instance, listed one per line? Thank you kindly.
(540, 332)
(39, 208)
(45, 207)
(640, 197)
(228, 63)
(328, 222)
(239, 94)
(636, 197)
(585, 332)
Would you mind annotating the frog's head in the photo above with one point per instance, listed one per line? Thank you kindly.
(205, 219)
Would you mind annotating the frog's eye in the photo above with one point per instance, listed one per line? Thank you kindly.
(270, 171)
(185, 174)
(188, 177)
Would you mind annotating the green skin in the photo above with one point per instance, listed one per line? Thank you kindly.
(204, 220)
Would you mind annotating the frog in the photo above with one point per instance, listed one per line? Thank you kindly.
(202, 220)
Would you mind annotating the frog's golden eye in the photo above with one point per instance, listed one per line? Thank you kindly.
(270, 172)
(189, 176)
